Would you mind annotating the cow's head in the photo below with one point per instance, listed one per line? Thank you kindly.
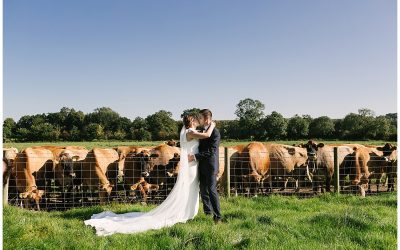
(35, 195)
(171, 143)
(172, 167)
(66, 163)
(252, 177)
(9, 156)
(389, 152)
(312, 149)
(107, 187)
(146, 160)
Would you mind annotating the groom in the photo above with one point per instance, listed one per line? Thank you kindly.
(208, 167)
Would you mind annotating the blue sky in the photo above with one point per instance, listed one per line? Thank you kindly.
(137, 57)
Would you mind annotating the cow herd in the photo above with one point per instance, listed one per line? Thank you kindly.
(259, 167)
(145, 172)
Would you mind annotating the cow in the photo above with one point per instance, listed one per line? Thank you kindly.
(123, 152)
(136, 167)
(389, 167)
(366, 163)
(98, 164)
(251, 167)
(235, 166)
(321, 162)
(30, 166)
(173, 143)
(66, 160)
(289, 163)
(164, 160)
(9, 155)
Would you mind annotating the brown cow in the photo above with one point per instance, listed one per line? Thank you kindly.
(30, 166)
(389, 167)
(321, 162)
(99, 163)
(172, 143)
(365, 163)
(9, 155)
(289, 163)
(253, 167)
(135, 169)
(65, 157)
(165, 161)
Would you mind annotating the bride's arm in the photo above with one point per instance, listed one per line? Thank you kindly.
(192, 134)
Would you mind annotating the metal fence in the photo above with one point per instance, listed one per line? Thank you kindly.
(308, 176)
(88, 182)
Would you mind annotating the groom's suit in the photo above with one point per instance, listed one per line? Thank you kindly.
(208, 170)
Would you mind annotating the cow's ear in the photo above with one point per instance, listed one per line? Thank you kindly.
(320, 145)
(154, 155)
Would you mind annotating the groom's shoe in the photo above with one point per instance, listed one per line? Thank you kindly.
(217, 221)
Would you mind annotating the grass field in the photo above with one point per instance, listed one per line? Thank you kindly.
(90, 145)
(274, 222)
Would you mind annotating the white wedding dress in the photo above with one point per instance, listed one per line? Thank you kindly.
(181, 204)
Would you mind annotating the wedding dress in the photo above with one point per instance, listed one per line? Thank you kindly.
(181, 204)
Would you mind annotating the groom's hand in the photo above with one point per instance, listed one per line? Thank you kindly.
(191, 158)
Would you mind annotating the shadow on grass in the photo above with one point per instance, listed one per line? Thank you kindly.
(340, 221)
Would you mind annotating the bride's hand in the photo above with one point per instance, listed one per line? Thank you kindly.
(213, 124)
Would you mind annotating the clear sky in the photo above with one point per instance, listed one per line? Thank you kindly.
(137, 57)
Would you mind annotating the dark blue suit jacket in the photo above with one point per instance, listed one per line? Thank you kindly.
(209, 153)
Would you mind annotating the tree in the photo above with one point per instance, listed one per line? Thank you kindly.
(392, 118)
(44, 132)
(190, 112)
(94, 131)
(352, 126)
(297, 127)
(380, 128)
(9, 126)
(321, 127)
(275, 126)
(250, 112)
(104, 116)
(138, 130)
(162, 126)
(366, 112)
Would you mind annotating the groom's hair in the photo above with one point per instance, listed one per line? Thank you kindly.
(206, 113)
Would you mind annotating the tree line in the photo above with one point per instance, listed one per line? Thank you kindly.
(251, 124)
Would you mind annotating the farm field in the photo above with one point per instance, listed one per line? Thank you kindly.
(90, 145)
(275, 222)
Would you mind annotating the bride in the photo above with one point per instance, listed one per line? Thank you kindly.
(182, 203)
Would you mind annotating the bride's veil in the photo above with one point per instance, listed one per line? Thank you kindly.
(184, 162)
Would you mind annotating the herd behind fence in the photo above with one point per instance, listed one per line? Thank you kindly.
(34, 180)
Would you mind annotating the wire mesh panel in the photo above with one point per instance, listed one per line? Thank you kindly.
(257, 169)
(37, 179)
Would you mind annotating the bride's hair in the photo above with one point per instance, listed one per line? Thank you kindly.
(188, 120)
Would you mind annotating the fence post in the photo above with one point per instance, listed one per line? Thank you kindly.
(227, 171)
(5, 188)
(336, 170)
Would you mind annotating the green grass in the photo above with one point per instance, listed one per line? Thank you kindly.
(275, 222)
(90, 145)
